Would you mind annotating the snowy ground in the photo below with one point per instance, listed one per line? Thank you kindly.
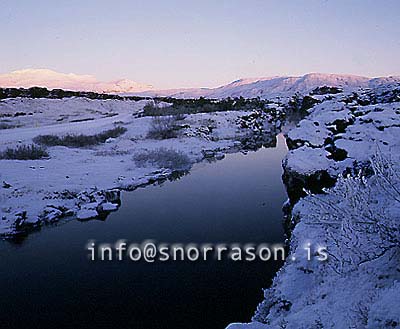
(357, 221)
(73, 181)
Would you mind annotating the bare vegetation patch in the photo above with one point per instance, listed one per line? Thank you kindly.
(7, 126)
(202, 105)
(163, 127)
(163, 158)
(24, 152)
(71, 140)
(112, 152)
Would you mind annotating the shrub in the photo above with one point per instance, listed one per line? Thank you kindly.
(38, 92)
(150, 109)
(324, 90)
(179, 117)
(300, 103)
(81, 140)
(163, 127)
(24, 152)
(356, 214)
(203, 105)
(7, 126)
(163, 158)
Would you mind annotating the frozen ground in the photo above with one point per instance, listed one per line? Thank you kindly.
(357, 220)
(74, 181)
(66, 112)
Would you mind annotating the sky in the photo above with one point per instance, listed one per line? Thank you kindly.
(201, 43)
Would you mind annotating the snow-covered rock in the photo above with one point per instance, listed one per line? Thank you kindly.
(85, 214)
(108, 206)
(219, 155)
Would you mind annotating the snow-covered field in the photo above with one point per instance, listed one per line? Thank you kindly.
(63, 114)
(74, 181)
(353, 140)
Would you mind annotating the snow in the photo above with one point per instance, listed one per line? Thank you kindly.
(270, 87)
(252, 325)
(54, 80)
(58, 182)
(363, 292)
(307, 160)
(85, 214)
(357, 221)
(361, 138)
(316, 134)
(61, 115)
(381, 313)
(109, 206)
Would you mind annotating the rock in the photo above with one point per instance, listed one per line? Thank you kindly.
(108, 206)
(110, 140)
(69, 212)
(337, 154)
(19, 219)
(6, 185)
(296, 182)
(208, 153)
(33, 221)
(91, 205)
(113, 196)
(85, 214)
(52, 214)
(219, 155)
(84, 196)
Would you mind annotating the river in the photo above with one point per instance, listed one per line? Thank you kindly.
(48, 280)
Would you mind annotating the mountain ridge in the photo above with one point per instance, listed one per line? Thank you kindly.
(277, 86)
(264, 87)
(50, 79)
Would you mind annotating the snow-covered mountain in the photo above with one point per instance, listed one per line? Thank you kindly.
(277, 86)
(254, 87)
(50, 79)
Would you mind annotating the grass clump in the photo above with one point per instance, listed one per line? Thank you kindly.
(163, 158)
(7, 126)
(72, 140)
(24, 152)
(163, 127)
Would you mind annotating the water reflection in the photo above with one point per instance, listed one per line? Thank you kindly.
(50, 280)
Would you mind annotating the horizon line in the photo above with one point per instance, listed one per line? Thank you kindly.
(153, 87)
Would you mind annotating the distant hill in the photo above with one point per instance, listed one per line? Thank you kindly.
(276, 86)
(55, 80)
(247, 88)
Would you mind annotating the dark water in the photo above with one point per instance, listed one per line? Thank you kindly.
(48, 279)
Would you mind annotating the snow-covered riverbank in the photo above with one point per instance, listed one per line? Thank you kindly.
(357, 220)
(84, 182)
